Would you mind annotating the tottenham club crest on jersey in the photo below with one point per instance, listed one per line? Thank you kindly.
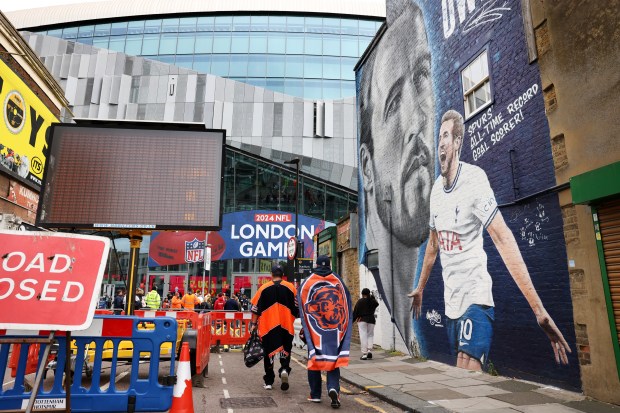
(194, 251)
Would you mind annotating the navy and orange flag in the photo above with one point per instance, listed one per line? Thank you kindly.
(325, 310)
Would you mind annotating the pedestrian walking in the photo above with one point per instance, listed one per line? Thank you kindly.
(274, 310)
(119, 302)
(325, 310)
(364, 315)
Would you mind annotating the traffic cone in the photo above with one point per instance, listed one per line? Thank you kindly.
(182, 399)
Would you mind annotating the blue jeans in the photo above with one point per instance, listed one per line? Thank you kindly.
(314, 379)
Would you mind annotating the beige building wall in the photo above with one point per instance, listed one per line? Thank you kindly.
(578, 50)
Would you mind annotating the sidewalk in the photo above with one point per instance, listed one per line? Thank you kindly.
(433, 387)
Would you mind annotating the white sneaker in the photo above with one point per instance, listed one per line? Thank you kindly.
(267, 386)
(310, 399)
(284, 377)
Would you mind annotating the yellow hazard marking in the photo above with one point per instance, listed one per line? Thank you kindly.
(374, 387)
(372, 406)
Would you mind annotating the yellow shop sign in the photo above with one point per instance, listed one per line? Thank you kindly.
(24, 128)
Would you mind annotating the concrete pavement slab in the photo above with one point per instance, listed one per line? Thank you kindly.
(436, 394)
(432, 377)
(430, 385)
(592, 406)
(389, 378)
(524, 398)
(479, 391)
(461, 382)
(515, 386)
(564, 395)
(472, 404)
(547, 408)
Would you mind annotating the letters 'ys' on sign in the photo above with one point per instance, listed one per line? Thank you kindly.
(24, 129)
(50, 281)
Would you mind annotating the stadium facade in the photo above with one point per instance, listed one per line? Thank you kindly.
(277, 77)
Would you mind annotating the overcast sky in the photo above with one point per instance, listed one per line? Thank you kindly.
(7, 5)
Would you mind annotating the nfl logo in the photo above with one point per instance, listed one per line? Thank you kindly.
(194, 251)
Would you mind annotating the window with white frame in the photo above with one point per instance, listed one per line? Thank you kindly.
(476, 85)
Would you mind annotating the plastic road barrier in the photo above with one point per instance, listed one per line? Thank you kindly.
(144, 393)
(230, 327)
(197, 334)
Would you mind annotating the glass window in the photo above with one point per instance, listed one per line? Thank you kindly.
(363, 43)
(313, 89)
(314, 44)
(277, 85)
(223, 23)
(313, 67)
(331, 89)
(136, 27)
(260, 23)
(102, 29)
(348, 88)
(117, 43)
(238, 65)
(277, 23)
(168, 43)
(277, 43)
(348, 26)
(152, 26)
(170, 25)
(295, 24)
(295, 43)
(367, 28)
(331, 67)
(185, 43)
(55, 32)
(275, 65)
(168, 59)
(204, 43)
(241, 23)
(219, 65)
(101, 42)
(258, 43)
(133, 46)
(331, 45)
(240, 42)
(187, 24)
(69, 32)
(86, 40)
(267, 185)
(257, 65)
(346, 69)
(245, 188)
(221, 42)
(313, 198)
(205, 24)
(476, 85)
(202, 63)
(337, 205)
(150, 44)
(260, 82)
(184, 61)
(86, 31)
(294, 87)
(118, 28)
(294, 66)
(314, 25)
(349, 46)
(331, 25)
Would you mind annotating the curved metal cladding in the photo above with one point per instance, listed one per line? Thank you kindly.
(485, 190)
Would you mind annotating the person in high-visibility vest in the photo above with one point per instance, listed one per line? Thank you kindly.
(189, 300)
(153, 299)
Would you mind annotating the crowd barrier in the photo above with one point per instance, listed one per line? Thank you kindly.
(230, 327)
(197, 334)
(146, 391)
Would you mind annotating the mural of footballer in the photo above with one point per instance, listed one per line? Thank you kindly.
(462, 203)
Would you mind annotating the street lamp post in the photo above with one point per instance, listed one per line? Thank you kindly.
(295, 262)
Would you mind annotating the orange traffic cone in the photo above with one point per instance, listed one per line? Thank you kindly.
(182, 399)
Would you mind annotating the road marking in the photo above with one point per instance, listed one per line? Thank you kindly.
(223, 380)
(226, 394)
(222, 370)
(378, 386)
(372, 406)
(221, 363)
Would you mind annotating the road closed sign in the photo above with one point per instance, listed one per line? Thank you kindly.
(50, 281)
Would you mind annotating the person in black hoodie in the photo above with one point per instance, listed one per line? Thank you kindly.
(364, 314)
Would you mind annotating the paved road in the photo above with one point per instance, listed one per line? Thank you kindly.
(232, 387)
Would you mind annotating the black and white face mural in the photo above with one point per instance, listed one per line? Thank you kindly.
(452, 140)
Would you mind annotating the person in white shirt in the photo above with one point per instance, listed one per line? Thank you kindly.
(462, 204)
